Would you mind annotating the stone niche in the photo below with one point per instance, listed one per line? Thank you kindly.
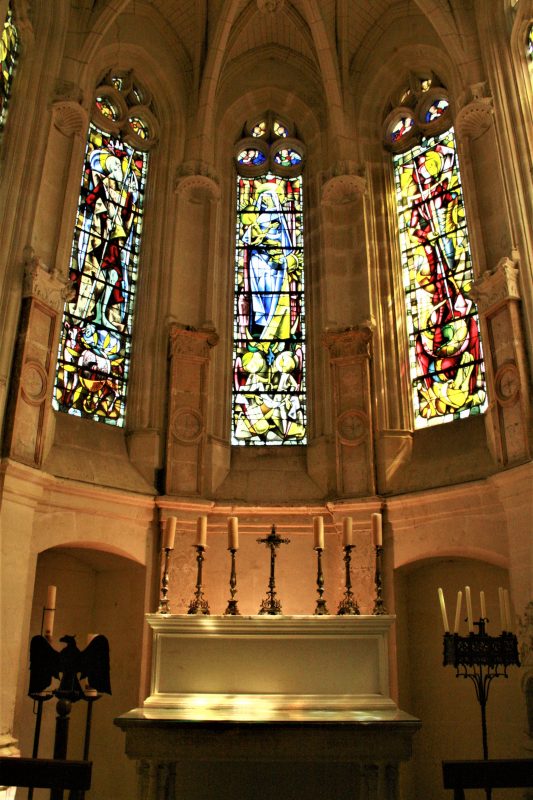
(258, 706)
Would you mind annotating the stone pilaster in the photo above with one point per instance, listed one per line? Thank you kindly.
(189, 362)
(497, 295)
(34, 363)
(349, 353)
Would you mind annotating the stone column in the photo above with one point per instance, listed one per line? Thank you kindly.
(189, 362)
(349, 353)
(30, 410)
(498, 298)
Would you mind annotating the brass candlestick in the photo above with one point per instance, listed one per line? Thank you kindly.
(199, 604)
(271, 605)
(379, 606)
(163, 595)
(348, 604)
(232, 609)
(321, 607)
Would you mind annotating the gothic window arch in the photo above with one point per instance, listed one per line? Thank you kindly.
(95, 342)
(445, 352)
(268, 401)
(9, 50)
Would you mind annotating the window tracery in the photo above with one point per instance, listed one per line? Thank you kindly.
(95, 341)
(9, 49)
(445, 351)
(269, 403)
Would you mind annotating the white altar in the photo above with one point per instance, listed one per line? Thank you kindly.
(262, 705)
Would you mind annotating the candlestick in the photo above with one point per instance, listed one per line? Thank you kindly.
(469, 616)
(201, 532)
(170, 533)
(232, 609)
(458, 612)
(271, 605)
(379, 606)
(321, 607)
(348, 604)
(199, 604)
(377, 530)
(443, 611)
(49, 613)
(163, 594)
(233, 533)
(318, 532)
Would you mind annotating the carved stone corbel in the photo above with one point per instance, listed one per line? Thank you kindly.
(344, 183)
(68, 115)
(349, 354)
(197, 182)
(475, 115)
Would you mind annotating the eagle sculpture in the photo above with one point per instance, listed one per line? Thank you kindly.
(72, 664)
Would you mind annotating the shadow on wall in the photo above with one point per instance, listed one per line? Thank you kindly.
(97, 592)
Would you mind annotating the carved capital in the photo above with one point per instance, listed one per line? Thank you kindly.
(45, 285)
(348, 343)
(68, 115)
(191, 343)
(474, 118)
(197, 182)
(496, 286)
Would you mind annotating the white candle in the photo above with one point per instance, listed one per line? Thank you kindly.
(49, 611)
(377, 530)
(347, 532)
(470, 618)
(318, 531)
(458, 612)
(507, 606)
(201, 532)
(90, 637)
(482, 604)
(443, 611)
(170, 533)
(502, 608)
(233, 533)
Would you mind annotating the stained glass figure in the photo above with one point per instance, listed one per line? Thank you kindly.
(259, 129)
(437, 108)
(530, 42)
(280, 131)
(402, 127)
(106, 107)
(9, 46)
(251, 156)
(139, 127)
(287, 157)
(95, 343)
(446, 361)
(269, 334)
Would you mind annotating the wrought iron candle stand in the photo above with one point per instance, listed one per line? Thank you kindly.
(481, 658)
(379, 606)
(271, 605)
(232, 609)
(348, 604)
(163, 594)
(321, 607)
(199, 604)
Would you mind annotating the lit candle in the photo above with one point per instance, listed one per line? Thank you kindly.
(507, 606)
(347, 533)
(318, 531)
(470, 618)
(170, 533)
(482, 603)
(458, 612)
(49, 611)
(201, 532)
(233, 533)
(502, 608)
(443, 610)
(377, 531)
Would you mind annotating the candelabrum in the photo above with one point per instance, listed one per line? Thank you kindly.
(271, 605)
(232, 609)
(379, 606)
(321, 607)
(481, 658)
(199, 604)
(163, 594)
(348, 604)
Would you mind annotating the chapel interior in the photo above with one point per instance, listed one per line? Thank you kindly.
(227, 319)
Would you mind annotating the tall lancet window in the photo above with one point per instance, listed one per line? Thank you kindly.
(95, 343)
(9, 47)
(269, 405)
(529, 44)
(445, 354)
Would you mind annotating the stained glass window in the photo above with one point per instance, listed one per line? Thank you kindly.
(437, 108)
(251, 156)
(530, 42)
(9, 45)
(446, 360)
(95, 343)
(401, 127)
(269, 330)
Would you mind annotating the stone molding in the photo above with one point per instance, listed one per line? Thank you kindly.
(197, 181)
(496, 286)
(353, 341)
(43, 284)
